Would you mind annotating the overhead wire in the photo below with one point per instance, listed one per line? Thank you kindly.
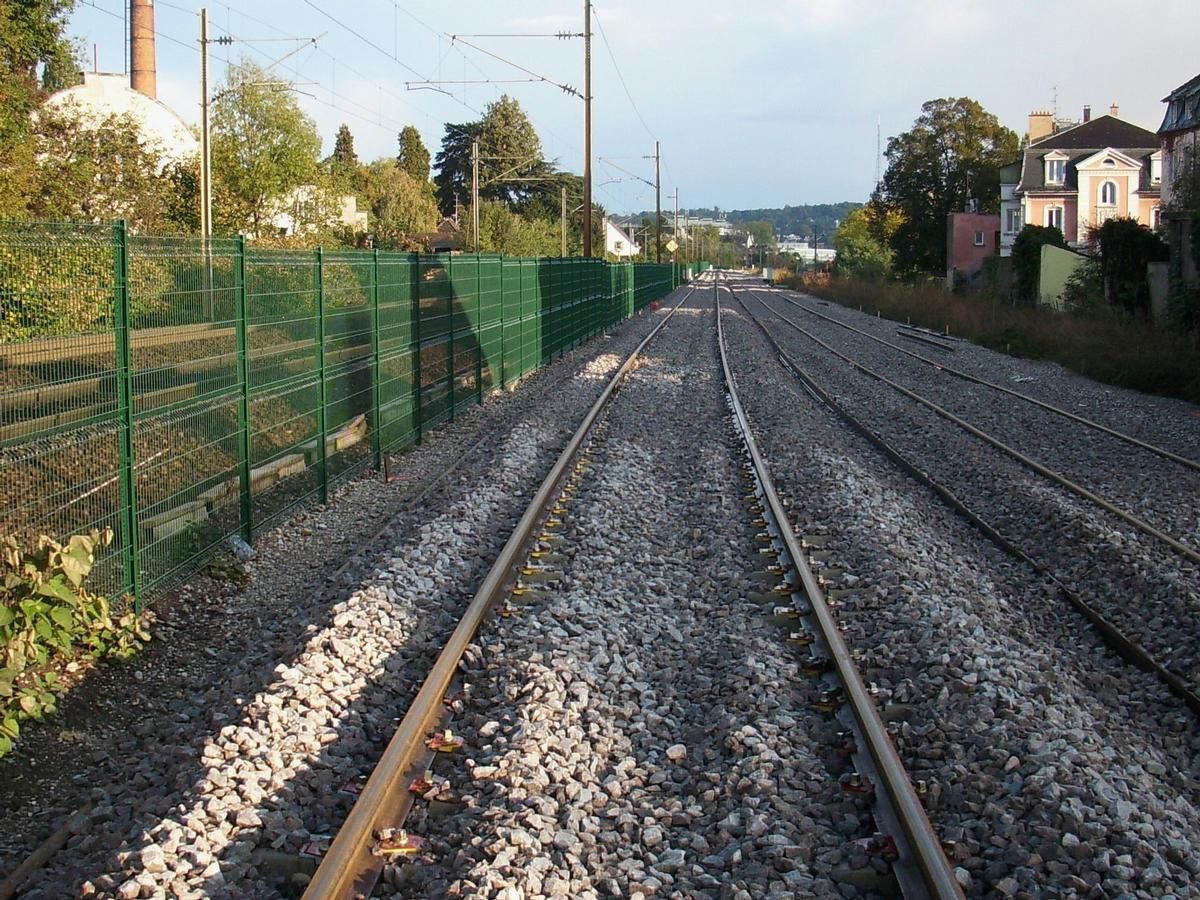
(621, 77)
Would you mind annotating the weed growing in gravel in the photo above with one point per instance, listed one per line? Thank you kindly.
(1103, 345)
(48, 618)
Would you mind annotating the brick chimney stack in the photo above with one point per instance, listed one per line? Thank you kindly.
(1041, 124)
(1087, 114)
(142, 74)
(1114, 111)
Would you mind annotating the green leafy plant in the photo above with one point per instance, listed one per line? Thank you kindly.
(48, 617)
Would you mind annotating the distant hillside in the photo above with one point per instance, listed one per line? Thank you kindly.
(802, 220)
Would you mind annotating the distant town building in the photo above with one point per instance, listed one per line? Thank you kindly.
(685, 222)
(802, 248)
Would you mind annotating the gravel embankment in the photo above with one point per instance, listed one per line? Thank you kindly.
(1056, 769)
(232, 733)
(641, 729)
(1144, 587)
(1135, 479)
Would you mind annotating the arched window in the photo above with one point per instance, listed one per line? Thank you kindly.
(1108, 193)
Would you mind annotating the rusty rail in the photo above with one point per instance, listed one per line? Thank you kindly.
(922, 869)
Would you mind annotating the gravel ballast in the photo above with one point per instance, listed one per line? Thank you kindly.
(1055, 769)
(1132, 477)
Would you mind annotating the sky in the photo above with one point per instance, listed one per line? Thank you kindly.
(762, 103)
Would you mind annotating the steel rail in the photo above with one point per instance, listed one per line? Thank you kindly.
(350, 869)
(1140, 524)
(922, 869)
(975, 379)
(1127, 648)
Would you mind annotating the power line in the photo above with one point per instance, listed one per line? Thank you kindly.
(620, 77)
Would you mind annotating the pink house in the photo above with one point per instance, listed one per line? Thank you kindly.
(970, 239)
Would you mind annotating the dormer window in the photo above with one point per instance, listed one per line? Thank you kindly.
(1056, 169)
(1156, 168)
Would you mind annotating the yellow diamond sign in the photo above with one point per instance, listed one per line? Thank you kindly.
(672, 245)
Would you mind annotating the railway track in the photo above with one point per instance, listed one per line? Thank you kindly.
(536, 584)
(1109, 614)
(1185, 550)
(943, 365)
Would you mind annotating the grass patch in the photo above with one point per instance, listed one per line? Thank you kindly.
(1105, 346)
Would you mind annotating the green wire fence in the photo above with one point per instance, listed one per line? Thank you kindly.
(181, 393)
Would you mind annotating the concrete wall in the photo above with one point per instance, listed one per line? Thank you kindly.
(1057, 266)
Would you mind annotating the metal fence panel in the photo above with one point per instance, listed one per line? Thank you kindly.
(182, 393)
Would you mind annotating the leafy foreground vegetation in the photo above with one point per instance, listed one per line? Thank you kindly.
(1104, 345)
(51, 624)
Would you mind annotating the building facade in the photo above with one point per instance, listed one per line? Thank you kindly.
(1077, 178)
(970, 239)
(617, 241)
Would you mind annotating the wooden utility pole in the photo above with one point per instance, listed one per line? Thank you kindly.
(587, 128)
(676, 223)
(657, 203)
(562, 220)
(205, 145)
(475, 192)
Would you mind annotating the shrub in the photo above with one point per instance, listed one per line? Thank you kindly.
(1027, 260)
(47, 618)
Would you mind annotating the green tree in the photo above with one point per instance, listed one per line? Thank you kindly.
(32, 42)
(952, 154)
(345, 173)
(762, 231)
(343, 148)
(452, 184)
(263, 147)
(399, 204)
(503, 231)
(1027, 260)
(97, 172)
(510, 149)
(413, 155)
(863, 243)
(510, 155)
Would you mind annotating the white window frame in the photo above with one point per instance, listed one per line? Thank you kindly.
(1155, 217)
(1108, 187)
(1012, 221)
(1052, 213)
(980, 240)
(1056, 167)
(1156, 169)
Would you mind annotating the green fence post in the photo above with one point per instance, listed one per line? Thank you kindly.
(242, 327)
(376, 430)
(478, 330)
(503, 334)
(322, 450)
(414, 293)
(121, 326)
